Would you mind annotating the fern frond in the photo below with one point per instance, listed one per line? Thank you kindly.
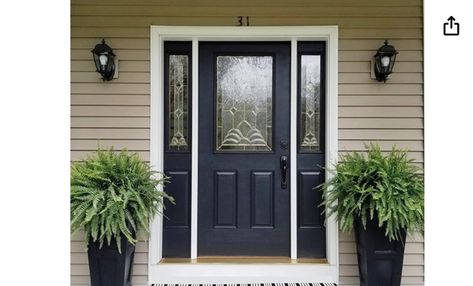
(372, 186)
(113, 195)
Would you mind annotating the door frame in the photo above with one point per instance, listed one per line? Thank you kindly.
(242, 273)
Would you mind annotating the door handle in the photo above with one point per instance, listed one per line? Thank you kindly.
(284, 166)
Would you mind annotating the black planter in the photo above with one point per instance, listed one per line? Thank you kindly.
(379, 260)
(108, 267)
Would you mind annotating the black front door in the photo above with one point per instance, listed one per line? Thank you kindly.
(244, 119)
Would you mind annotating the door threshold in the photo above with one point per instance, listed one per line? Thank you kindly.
(243, 260)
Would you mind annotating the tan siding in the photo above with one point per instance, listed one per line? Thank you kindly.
(110, 99)
(107, 133)
(348, 22)
(388, 100)
(109, 122)
(117, 113)
(132, 145)
(209, 11)
(377, 90)
(381, 123)
(258, 3)
(385, 145)
(379, 111)
(116, 88)
(79, 155)
(125, 111)
(373, 134)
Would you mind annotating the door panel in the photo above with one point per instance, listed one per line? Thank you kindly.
(225, 199)
(262, 199)
(243, 116)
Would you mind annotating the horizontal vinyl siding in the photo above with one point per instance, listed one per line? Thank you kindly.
(117, 113)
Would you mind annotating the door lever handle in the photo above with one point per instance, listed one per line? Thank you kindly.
(284, 167)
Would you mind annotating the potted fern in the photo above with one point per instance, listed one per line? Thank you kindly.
(113, 195)
(381, 197)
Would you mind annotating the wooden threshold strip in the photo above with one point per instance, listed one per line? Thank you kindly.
(244, 260)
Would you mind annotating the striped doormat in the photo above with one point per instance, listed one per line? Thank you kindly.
(252, 284)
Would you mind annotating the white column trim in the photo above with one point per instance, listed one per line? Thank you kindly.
(192, 273)
(293, 149)
(156, 136)
(195, 146)
(331, 141)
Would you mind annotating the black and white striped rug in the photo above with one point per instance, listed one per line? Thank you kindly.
(252, 284)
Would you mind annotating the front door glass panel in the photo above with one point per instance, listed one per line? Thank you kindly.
(244, 87)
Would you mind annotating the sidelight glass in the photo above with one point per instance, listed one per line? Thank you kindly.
(310, 103)
(178, 102)
(244, 103)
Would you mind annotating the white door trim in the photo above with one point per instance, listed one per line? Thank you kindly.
(293, 150)
(228, 273)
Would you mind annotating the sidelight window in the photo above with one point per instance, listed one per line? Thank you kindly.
(178, 102)
(310, 103)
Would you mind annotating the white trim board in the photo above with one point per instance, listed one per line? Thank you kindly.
(241, 273)
(238, 273)
(293, 150)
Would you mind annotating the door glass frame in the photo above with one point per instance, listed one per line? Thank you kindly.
(159, 34)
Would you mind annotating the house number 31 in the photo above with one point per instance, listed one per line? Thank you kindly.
(243, 20)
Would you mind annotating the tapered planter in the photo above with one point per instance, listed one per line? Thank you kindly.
(379, 260)
(108, 267)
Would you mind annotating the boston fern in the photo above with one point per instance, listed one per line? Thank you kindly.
(114, 194)
(387, 188)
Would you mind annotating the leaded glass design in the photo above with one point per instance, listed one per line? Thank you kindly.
(244, 103)
(310, 103)
(178, 98)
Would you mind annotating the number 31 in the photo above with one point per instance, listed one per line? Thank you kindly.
(241, 20)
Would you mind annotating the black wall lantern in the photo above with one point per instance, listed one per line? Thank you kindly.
(104, 59)
(384, 61)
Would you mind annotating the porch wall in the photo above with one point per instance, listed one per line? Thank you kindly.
(117, 112)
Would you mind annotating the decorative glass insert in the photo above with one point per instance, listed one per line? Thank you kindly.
(244, 103)
(178, 99)
(310, 103)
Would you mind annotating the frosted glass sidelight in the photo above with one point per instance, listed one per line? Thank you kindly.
(244, 103)
(178, 99)
(310, 103)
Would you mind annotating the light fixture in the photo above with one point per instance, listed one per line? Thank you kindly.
(104, 59)
(384, 61)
